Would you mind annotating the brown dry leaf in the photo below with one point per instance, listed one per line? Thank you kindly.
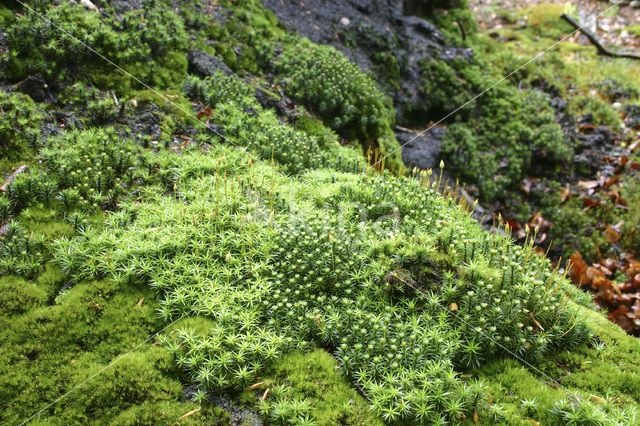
(600, 281)
(588, 184)
(578, 269)
(206, 112)
(526, 184)
(613, 236)
(610, 181)
(564, 193)
(633, 268)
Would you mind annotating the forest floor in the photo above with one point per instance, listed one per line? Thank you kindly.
(605, 199)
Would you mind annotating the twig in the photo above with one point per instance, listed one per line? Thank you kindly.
(12, 176)
(594, 40)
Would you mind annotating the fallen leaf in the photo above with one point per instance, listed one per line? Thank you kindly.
(588, 184)
(206, 112)
(578, 269)
(564, 193)
(613, 236)
(610, 181)
(587, 127)
(526, 184)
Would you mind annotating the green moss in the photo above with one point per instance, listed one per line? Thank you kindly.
(347, 254)
(601, 111)
(158, 41)
(544, 20)
(497, 148)
(634, 29)
(263, 271)
(58, 346)
(19, 127)
(314, 127)
(18, 296)
(246, 123)
(311, 377)
(6, 15)
(604, 370)
(335, 89)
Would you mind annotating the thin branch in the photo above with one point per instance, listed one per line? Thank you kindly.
(594, 40)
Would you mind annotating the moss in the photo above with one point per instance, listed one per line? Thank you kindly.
(314, 127)
(312, 377)
(158, 41)
(6, 15)
(58, 345)
(606, 369)
(237, 111)
(574, 229)
(498, 147)
(601, 112)
(18, 296)
(544, 20)
(630, 228)
(20, 132)
(264, 271)
(633, 29)
(335, 89)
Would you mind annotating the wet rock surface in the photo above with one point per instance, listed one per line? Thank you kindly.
(420, 149)
(35, 86)
(205, 65)
(239, 416)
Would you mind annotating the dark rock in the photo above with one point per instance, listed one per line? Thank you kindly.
(239, 415)
(632, 113)
(215, 129)
(282, 105)
(448, 54)
(420, 150)
(68, 118)
(35, 86)
(422, 7)
(205, 65)
(251, 111)
(427, 29)
(616, 91)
